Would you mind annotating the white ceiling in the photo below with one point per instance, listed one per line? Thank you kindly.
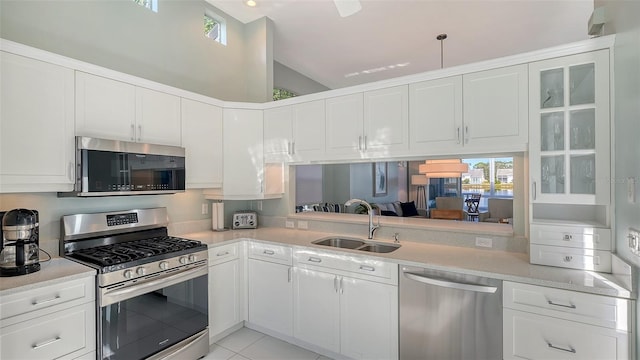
(311, 38)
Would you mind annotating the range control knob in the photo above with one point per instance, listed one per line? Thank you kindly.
(128, 274)
(140, 271)
(182, 260)
(192, 258)
(164, 265)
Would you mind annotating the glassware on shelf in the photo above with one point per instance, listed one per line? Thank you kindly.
(552, 131)
(583, 171)
(582, 84)
(583, 123)
(551, 88)
(552, 174)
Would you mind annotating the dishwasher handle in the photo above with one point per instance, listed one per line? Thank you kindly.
(450, 284)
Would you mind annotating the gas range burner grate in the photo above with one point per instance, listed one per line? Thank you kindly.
(119, 253)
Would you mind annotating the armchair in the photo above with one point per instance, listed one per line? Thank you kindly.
(497, 209)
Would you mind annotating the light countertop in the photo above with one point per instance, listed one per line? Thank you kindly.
(56, 270)
(501, 265)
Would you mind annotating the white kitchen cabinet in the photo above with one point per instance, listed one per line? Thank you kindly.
(202, 140)
(225, 283)
(371, 125)
(270, 296)
(49, 322)
(569, 129)
(435, 116)
(295, 133)
(111, 109)
(346, 305)
(316, 308)
(36, 126)
(495, 110)
(245, 175)
(547, 323)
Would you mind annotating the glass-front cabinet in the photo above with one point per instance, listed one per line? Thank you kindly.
(569, 129)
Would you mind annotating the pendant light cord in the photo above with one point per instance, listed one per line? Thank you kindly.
(441, 37)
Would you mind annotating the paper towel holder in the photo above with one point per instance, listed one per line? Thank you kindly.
(217, 216)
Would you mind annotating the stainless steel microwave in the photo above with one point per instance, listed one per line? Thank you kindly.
(111, 168)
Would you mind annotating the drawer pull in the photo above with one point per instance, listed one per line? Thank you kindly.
(567, 258)
(367, 268)
(568, 237)
(570, 349)
(268, 252)
(315, 259)
(36, 302)
(223, 253)
(570, 306)
(45, 343)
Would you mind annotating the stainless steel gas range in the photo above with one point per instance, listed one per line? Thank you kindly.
(151, 288)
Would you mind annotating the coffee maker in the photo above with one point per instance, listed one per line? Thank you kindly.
(20, 236)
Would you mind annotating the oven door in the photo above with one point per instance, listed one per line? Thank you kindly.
(142, 319)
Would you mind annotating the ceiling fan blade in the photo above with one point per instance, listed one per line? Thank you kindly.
(347, 7)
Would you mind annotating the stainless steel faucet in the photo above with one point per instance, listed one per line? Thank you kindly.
(372, 228)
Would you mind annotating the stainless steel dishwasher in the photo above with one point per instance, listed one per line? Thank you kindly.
(449, 316)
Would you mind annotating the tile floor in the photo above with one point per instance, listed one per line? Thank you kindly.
(247, 344)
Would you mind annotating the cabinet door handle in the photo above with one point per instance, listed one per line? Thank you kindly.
(367, 268)
(570, 349)
(314, 259)
(45, 343)
(222, 253)
(466, 134)
(289, 274)
(341, 287)
(335, 283)
(570, 306)
(534, 189)
(139, 132)
(364, 142)
(268, 252)
(40, 302)
(360, 142)
(293, 147)
(133, 132)
(458, 135)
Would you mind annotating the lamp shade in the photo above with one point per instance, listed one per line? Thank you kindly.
(418, 180)
(443, 168)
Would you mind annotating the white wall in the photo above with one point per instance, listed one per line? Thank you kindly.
(167, 47)
(623, 19)
(286, 78)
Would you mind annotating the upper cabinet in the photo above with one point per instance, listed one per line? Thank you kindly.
(295, 133)
(569, 129)
(245, 175)
(370, 125)
(112, 109)
(435, 116)
(202, 139)
(36, 126)
(495, 110)
(479, 112)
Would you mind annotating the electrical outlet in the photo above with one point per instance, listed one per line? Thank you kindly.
(289, 224)
(484, 242)
(259, 205)
(303, 225)
(634, 241)
(205, 208)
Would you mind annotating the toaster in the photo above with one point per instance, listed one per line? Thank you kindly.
(246, 219)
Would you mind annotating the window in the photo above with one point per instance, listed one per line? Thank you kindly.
(281, 94)
(215, 28)
(491, 177)
(149, 4)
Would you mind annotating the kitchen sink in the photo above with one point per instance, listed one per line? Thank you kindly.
(379, 248)
(356, 244)
(339, 242)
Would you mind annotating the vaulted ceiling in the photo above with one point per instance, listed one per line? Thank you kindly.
(391, 38)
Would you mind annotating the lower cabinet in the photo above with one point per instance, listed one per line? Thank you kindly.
(340, 306)
(225, 289)
(356, 318)
(546, 323)
(270, 288)
(49, 322)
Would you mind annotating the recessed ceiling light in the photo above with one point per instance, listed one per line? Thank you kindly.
(251, 3)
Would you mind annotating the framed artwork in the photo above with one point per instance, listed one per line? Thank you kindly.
(380, 179)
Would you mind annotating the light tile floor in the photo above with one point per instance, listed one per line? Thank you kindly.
(247, 344)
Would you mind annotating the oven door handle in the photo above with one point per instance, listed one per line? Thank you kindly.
(108, 297)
